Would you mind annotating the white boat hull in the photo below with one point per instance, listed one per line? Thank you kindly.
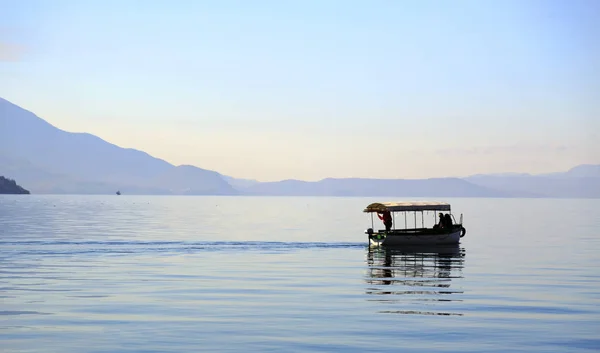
(418, 239)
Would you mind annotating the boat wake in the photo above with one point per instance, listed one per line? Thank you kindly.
(61, 247)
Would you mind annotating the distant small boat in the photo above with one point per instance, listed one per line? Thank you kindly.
(446, 232)
(118, 193)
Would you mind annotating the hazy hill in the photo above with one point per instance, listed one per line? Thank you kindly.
(26, 172)
(579, 182)
(439, 187)
(239, 183)
(190, 180)
(50, 160)
(57, 161)
(583, 171)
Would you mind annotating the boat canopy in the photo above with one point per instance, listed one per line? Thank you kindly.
(407, 206)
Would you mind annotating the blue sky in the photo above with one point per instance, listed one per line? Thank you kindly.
(273, 90)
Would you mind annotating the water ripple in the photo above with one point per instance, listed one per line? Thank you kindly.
(181, 274)
(407, 277)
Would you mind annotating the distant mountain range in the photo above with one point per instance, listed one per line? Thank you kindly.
(46, 159)
(49, 160)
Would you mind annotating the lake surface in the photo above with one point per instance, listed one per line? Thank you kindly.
(276, 274)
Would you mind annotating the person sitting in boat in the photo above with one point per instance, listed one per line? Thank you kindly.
(386, 218)
(441, 222)
(448, 221)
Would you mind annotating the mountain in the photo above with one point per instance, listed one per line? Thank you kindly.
(9, 186)
(584, 171)
(582, 181)
(190, 180)
(579, 182)
(240, 183)
(438, 187)
(52, 160)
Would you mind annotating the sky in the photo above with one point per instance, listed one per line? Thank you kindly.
(273, 90)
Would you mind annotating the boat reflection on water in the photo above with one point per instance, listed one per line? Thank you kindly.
(416, 280)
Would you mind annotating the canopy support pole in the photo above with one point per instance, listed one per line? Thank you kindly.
(415, 219)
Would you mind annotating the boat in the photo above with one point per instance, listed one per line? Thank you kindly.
(118, 193)
(447, 231)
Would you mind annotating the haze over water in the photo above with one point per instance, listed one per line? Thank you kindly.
(180, 274)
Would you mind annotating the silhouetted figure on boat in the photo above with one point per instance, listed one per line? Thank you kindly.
(441, 223)
(386, 218)
(445, 221)
(448, 221)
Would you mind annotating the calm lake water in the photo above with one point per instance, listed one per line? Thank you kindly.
(187, 274)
